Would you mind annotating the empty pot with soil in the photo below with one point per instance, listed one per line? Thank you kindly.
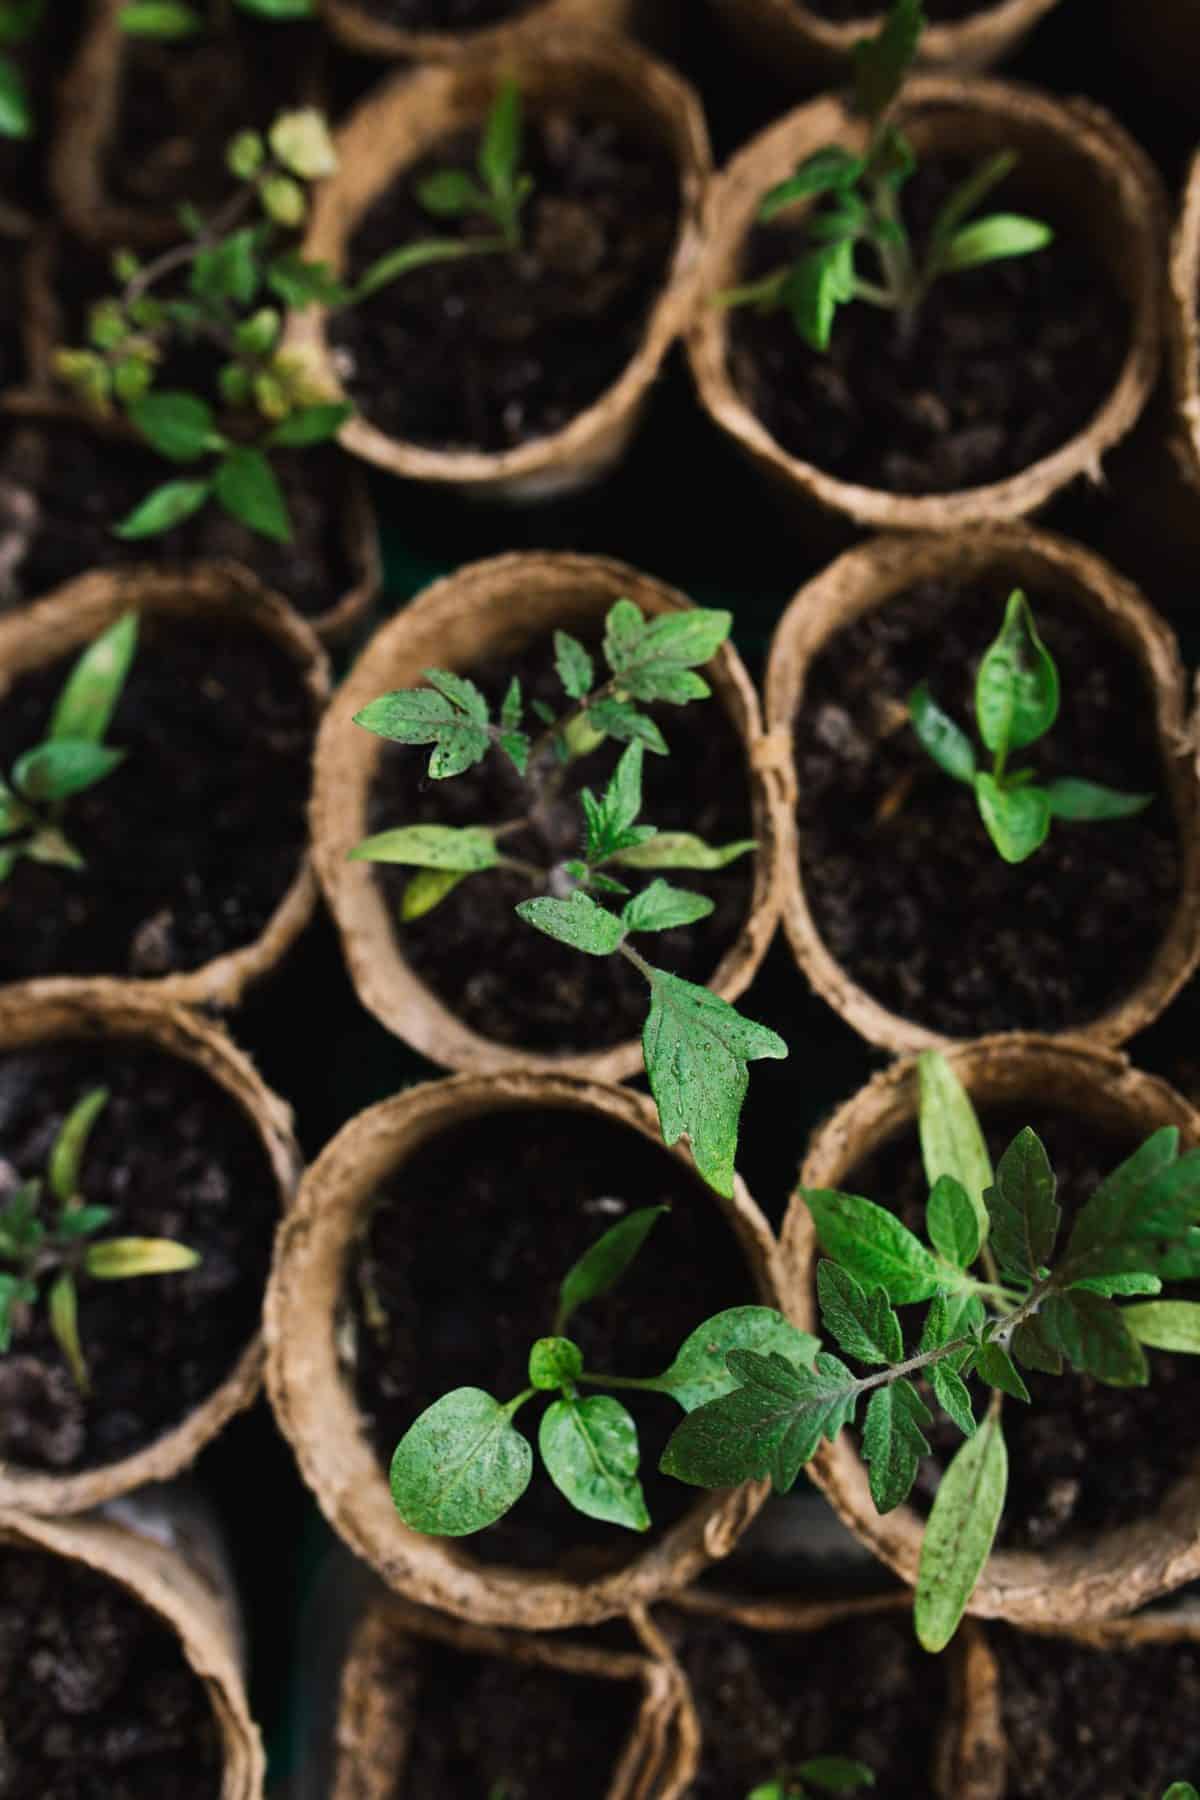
(426, 1250)
(430, 1705)
(1103, 1481)
(1183, 327)
(437, 31)
(197, 875)
(1008, 381)
(470, 984)
(518, 374)
(189, 1146)
(120, 1667)
(897, 905)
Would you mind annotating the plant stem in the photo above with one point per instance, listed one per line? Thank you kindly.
(649, 1382)
(180, 255)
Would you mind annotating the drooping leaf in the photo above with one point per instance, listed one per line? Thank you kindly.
(831, 170)
(952, 1140)
(163, 508)
(70, 1146)
(682, 850)
(863, 1324)
(464, 848)
(699, 1372)
(1021, 1206)
(995, 239)
(950, 748)
(575, 668)
(1016, 688)
(603, 1263)
(120, 1259)
(952, 1395)
(995, 1366)
(661, 907)
(62, 767)
(461, 1465)
(554, 1362)
(247, 487)
(872, 1243)
(959, 1533)
(1017, 819)
(1093, 1335)
(578, 922)
(590, 1449)
(454, 721)
(952, 1223)
(881, 62)
(91, 691)
(893, 1442)
(427, 889)
(1165, 1325)
(770, 1425)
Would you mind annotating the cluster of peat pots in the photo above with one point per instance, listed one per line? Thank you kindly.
(174, 810)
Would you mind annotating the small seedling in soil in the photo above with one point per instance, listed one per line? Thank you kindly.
(169, 20)
(1016, 703)
(821, 1774)
(72, 757)
(463, 1464)
(859, 204)
(696, 1045)
(1034, 1301)
(48, 1243)
(1181, 1790)
(19, 19)
(226, 290)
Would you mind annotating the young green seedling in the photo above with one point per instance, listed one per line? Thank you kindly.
(228, 288)
(1033, 1301)
(1016, 703)
(48, 1257)
(71, 758)
(169, 20)
(824, 1774)
(19, 19)
(1181, 1790)
(696, 1045)
(858, 204)
(463, 1464)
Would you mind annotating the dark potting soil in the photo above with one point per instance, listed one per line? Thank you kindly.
(1085, 1724)
(96, 1698)
(459, 1274)
(905, 888)
(936, 11)
(12, 348)
(194, 840)
(173, 1156)
(493, 971)
(769, 1700)
(1083, 1457)
(444, 15)
(491, 351)
(1008, 362)
(62, 488)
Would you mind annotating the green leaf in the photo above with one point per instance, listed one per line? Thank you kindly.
(21, 1230)
(950, 748)
(119, 1259)
(624, 629)
(963, 201)
(512, 708)
(301, 143)
(893, 1443)
(451, 193)
(610, 821)
(453, 720)
(246, 486)
(699, 1372)
(951, 1222)
(953, 1315)
(1093, 1335)
(1087, 801)
(836, 1774)
(63, 1311)
(310, 425)
(466, 848)
(180, 426)
(83, 1221)
(13, 815)
(771, 1425)
(996, 1367)
(426, 890)
(952, 1140)
(1024, 1213)
(408, 257)
(1130, 1283)
(279, 9)
(666, 648)
(16, 114)
(681, 850)
(1033, 1348)
(62, 767)
(555, 1362)
(164, 508)
(1137, 1214)
(863, 1324)
(602, 1265)
(959, 1533)
(1016, 688)
(461, 1465)
(617, 719)
(298, 283)
(228, 270)
(70, 1146)
(661, 907)
(165, 19)
(1181, 1790)
(873, 1244)
(91, 691)
(500, 145)
(49, 846)
(575, 668)
(882, 62)
(590, 1449)
(578, 922)
(244, 156)
(817, 284)
(831, 170)
(696, 1047)
(1165, 1325)
(1017, 819)
(13, 1292)
(952, 1395)
(995, 239)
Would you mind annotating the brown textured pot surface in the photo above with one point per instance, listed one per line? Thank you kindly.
(377, 1715)
(317, 1411)
(72, 615)
(888, 567)
(493, 608)
(1073, 154)
(39, 1012)
(410, 114)
(163, 1580)
(361, 30)
(1095, 1575)
(802, 44)
(1183, 326)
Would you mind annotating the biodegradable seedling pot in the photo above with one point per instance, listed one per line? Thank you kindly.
(380, 1705)
(195, 1608)
(47, 1012)
(410, 116)
(489, 610)
(1090, 1575)
(1183, 327)
(317, 1410)
(359, 27)
(64, 622)
(1075, 162)
(798, 41)
(882, 571)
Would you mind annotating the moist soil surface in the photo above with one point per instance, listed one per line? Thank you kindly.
(905, 888)
(172, 1155)
(769, 1700)
(63, 487)
(1008, 362)
(459, 1274)
(194, 840)
(97, 1700)
(488, 352)
(1086, 1724)
(494, 972)
(444, 15)
(1083, 1457)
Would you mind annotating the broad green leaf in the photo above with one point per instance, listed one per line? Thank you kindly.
(1131, 1283)
(661, 907)
(996, 1367)
(618, 719)
(451, 194)
(816, 285)
(431, 716)
(699, 1372)
(575, 668)
(1137, 1214)
(881, 62)
(246, 486)
(578, 922)
(16, 114)
(62, 767)
(1093, 1335)
(950, 748)
(873, 1244)
(91, 691)
(863, 1324)
(460, 692)
(164, 508)
(668, 646)
(461, 1465)
(70, 1146)
(119, 1259)
(831, 170)
(83, 1221)
(427, 889)
(952, 1140)
(952, 1222)
(893, 1443)
(603, 1263)
(681, 850)
(836, 1774)
(1165, 1325)
(1181, 1790)
(1087, 801)
(555, 1362)
(1017, 819)
(995, 239)
(952, 1395)
(310, 425)
(465, 849)
(696, 1048)
(180, 426)
(771, 1425)
(1021, 1206)
(228, 270)
(1016, 688)
(408, 257)
(1033, 1348)
(298, 283)
(959, 1533)
(63, 1310)
(624, 629)
(590, 1449)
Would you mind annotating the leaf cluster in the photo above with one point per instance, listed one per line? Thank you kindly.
(1016, 704)
(823, 1774)
(19, 19)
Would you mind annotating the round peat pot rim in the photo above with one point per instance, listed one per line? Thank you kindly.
(69, 617)
(492, 607)
(161, 1579)
(886, 568)
(995, 27)
(1069, 144)
(1100, 1574)
(65, 1010)
(373, 1733)
(408, 116)
(1183, 325)
(355, 26)
(317, 1412)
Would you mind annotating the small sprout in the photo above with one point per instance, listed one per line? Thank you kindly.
(1016, 703)
(821, 1774)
